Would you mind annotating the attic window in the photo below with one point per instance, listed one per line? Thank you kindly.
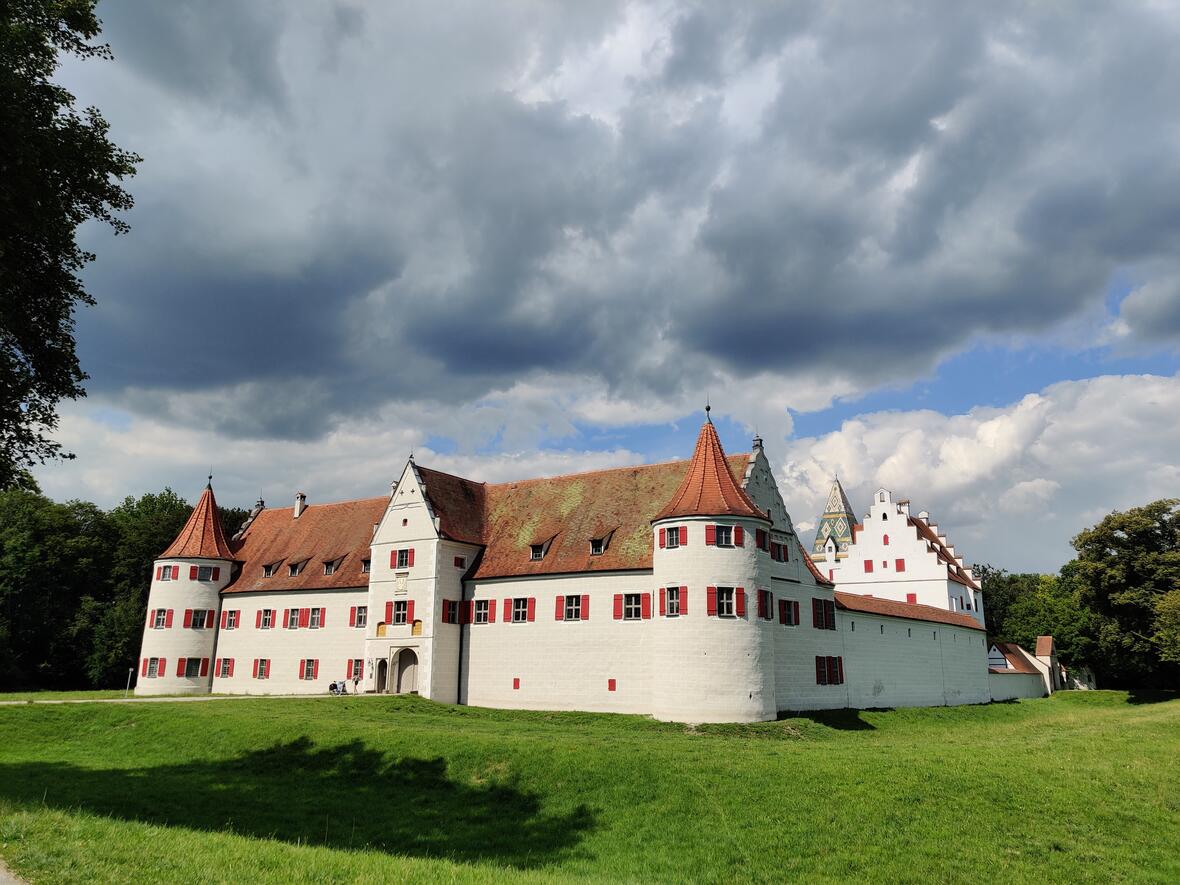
(366, 566)
(536, 551)
(268, 571)
(597, 546)
(331, 566)
(295, 569)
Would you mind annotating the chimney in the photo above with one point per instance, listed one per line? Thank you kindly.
(300, 503)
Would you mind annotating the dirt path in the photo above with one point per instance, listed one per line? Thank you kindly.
(8, 877)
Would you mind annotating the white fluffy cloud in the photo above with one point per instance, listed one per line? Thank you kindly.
(1010, 485)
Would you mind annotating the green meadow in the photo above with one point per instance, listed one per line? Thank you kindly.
(1080, 787)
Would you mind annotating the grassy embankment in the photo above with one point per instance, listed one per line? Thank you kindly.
(1085, 786)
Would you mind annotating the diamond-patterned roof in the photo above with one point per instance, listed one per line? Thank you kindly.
(836, 523)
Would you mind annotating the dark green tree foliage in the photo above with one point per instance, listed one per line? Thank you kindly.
(58, 169)
(1000, 590)
(51, 556)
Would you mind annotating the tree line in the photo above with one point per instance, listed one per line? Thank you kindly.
(74, 582)
(1114, 608)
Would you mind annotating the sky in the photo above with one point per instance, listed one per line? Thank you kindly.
(923, 246)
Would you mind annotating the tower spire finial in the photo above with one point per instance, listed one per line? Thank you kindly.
(708, 408)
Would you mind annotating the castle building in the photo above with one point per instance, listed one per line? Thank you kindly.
(893, 554)
(679, 590)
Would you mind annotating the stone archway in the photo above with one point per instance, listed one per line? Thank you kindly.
(407, 671)
(382, 676)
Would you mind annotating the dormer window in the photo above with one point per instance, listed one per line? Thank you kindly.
(331, 566)
(268, 571)
(536, 551)
(597, 545)
(366, 566)
(295, 569)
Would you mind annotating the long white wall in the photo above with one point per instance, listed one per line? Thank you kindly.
(1009, 686)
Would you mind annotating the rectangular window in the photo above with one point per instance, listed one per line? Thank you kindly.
(403, 559)
(231, 619)
(725, 607)
(868, 566)
(165, 573)
(400, 612)
(357, 669)
(268, 571)
(267, 621)
(674, 536)
(293, 619)
(788, 612)
(536, 551)
(632, 607)
(573, 608)
(596, 546)
(724, 535)
(225, 668)
(366, 566)
(829, 670)
(330, 568)
(295, 569)
(450, 614)
(673, 604)
(520, 610)
(460, 562)
(482, 607)
(899, 565)
(200, 616)
(153, 669)
(205, 573)
(309, 669)
(362, 615)
(161, 619)
(192, 667)
(316, 619)
(262, 668)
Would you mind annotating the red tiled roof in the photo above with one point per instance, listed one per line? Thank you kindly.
(1044, 646)
(953, 570)
(708, 489)
(322, 533)
(458, 503)
(819, 579)
(202, 536)
(873, 605)
(1017, 658)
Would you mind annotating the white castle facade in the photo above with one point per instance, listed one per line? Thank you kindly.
(679, 590)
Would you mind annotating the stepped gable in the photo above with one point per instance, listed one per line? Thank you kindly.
(873, 605)
(202, 536)
(567, 512)
(322, 533)
(837, 523)
(954, 571)
(708, 489)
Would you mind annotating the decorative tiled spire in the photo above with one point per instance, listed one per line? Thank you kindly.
(708, 488)
(202, 536)
(836, 523)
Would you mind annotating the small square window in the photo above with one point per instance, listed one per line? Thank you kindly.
(632, 607)
(673, 603)
(362, 615)
(460, 562)
(205, 573)
(166, 573)
(192, 667)
(573, 608)
(199, 618)
(399, 612)
(724, 536)
(366, 566)
(725, 602)
(536, 551)
(597, 545)
(520, 610)
(482, 607)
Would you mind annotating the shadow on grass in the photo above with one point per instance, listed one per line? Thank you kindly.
(840, 720)
(1151, 695)
(345, 796)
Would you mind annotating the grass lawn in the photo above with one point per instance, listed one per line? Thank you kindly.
(1084, 786)
(61, 695)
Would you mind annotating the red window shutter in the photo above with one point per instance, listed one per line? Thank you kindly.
(911, 598)
(348, 673)
(231, 666)
(151, 617)
(389, 612)
(360, 672)
(217, 668)
(795, 606)
(683, 601)
(739, 536)
(302, 667)
(663, 538)
(216, 573)
(352, 617)
(324, 617)
(885, 540)
(393, 559)
(532, 608)
(491, 611)
(204, 666)
(830, 613)
(611, 684)
(761, 604)
(192, 572)
(168, 619)
(161, 666)
(255, 668)
(821, 671)
(740, 595)
(618, 606)
(585, 607)
(507, 611)
(224, 617)
(304, 617)
(760, 537)
(711, 601)
(515, 682)
(645, 606)
(833, 675)
(899, 565)
(175, 573)
(710, 535)
(559, 609)
(143, 671)
(684, 536)
(159, 569)
(840, 670)
(410, 611)
(467, 614)
(782, 611)
(663, 601)
(188, 617)
(410, 558)
(286, 617)
(179, 666)
(258, 619)
(817, 613)
(868, 566)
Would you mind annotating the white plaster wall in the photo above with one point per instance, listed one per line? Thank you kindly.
(1010, 686)
(796, 648)
(896, 662)
(177, 642)
(332, 645)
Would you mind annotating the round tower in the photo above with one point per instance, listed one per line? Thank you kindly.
(713, 658)
(184, 607)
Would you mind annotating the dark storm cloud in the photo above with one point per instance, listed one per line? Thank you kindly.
(347, 209)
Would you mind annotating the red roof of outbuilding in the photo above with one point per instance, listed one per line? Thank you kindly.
(1044, 646)
(202, 536)
(708, 488)
(874, 605)
(1016, 657)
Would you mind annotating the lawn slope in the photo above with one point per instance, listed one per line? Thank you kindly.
(1083, 786)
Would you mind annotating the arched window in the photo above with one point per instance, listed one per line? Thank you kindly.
(885, 540)
(884, 515)
(881, 497)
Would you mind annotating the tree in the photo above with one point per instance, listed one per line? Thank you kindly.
(1000, 591)
(58, 169)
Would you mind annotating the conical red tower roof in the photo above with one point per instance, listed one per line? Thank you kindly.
(708, 488)
(202, 536)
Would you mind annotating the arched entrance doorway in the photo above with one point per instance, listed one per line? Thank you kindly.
(382, 675)
(407, 671)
